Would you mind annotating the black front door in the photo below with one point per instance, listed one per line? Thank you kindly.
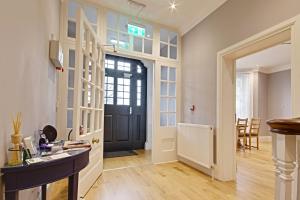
(125, 104)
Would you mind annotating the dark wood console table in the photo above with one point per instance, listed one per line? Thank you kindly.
(286, 146)
(40, 174)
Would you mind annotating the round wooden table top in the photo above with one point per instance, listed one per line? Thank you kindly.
(285, 126)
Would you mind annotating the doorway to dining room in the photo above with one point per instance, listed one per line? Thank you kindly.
(263, 92)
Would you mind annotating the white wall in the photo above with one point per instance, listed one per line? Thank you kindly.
(27, 79)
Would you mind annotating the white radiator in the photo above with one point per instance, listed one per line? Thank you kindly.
(195, 145)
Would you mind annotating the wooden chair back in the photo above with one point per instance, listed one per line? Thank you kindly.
(254, 126)
(241, 127)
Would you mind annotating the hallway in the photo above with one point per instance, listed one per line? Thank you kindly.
(255, 181)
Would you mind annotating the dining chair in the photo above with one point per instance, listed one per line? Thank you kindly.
(254, 132)
(241, 128)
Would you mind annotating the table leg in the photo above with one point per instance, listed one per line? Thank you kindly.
(44, 192)
(12, 195)
(73, 187)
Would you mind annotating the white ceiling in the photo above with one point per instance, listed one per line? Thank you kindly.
(274, 57)
(188, 13)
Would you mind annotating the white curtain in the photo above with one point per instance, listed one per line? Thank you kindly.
(244, 95)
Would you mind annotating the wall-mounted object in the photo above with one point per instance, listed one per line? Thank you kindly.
(56, 54)
(192, 108)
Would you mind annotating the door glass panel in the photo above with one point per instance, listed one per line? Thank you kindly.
(163, 104)
(71, 58)
(172, 89)
(164, 73)
(70, 98)
(109, 90)
(139, 92)
(109, 64)
(124, 66)
(163, 89)
(168, 97)
(70, 119)
(123, 23)
(173, 52)
(123, 97)
(163, 50)
(71, 29)
(71, 78)
(138, 44)
(124, 41)
(112, 37)
(172, 105)
(173, 38)
(112, 20)
(149, 31)
(148, 46)
(172, 74)
(164, 35)
(138, 69)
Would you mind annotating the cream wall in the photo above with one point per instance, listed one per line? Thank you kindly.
(236, 20)
(279, 95)
(271, 97)
(27, 79)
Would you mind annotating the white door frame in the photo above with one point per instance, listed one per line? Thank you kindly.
(226, 144)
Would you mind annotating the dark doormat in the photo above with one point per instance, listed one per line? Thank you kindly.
(119, 154)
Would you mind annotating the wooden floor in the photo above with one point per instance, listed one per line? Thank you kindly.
(172, 181)
(142, 158)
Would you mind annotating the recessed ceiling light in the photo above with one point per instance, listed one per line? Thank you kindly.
(173, 5)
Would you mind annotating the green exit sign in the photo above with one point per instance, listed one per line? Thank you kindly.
(136, 30)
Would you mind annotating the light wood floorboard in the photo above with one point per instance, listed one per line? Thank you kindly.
(143, 158)
(176, 181)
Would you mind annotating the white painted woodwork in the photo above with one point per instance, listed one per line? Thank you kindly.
(88, 45)
(285, 163)
(164, 147)
(276, 170)
(295, 69)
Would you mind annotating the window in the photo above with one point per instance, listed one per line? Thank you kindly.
(124, 66)
(91, 13)
(123, 97)
(139, 92)
(138, 69)
(118, 34)
(168, 97)
(168, 44)
(109, 64)
(109, 90)
(243, 95)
